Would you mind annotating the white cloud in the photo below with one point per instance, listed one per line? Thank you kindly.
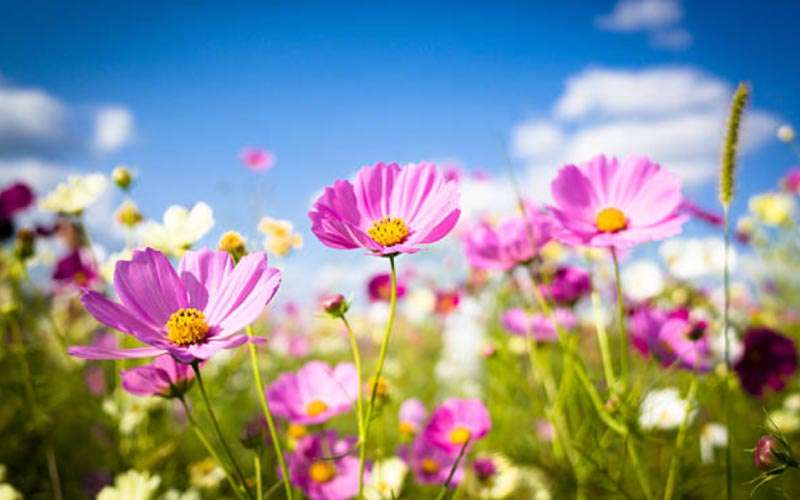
(113, 128)
(29, 119)
(672, 39)
(676, 115)
(640, 15)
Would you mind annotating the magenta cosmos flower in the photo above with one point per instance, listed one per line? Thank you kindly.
(189, 314)
(323, 467)
(769, 361)
(521, 322)
(379, 288)
(411, 416)
(456, 422)
(568, 285)
(513, 241)
(315, 393)
(671, 337)
(607, 204)
(77, 267)
(163, 377)
(387, 209)
(430, 463)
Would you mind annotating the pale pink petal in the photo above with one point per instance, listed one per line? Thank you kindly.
(117, 316)
(249, 287)
(373, 189)
(149, 286)
(574, 196)
(105, 353)
(203, 273)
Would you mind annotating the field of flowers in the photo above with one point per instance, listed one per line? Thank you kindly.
(558, 367)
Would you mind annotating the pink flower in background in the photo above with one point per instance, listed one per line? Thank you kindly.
(315, 393)
(190, 314)
(379, 287)
(430, 463)
(791, 182)
(76, 268)
(457, 422)
(13, 199)
(257, 160)
(515, 240)
(686, 340)
(568, 285)
(387, 210)
(769, 361)
(411, 416)
(605, 204)
(645, 325)
(313, 468)
(446, 301)
(163, 377)
(521, 322)
(95, 379)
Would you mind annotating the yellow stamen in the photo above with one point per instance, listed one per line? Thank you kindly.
(187, 326)
(430, 466)
(460, 435)
(611, 220)
(316, 407)
(388, 231)
(406, 428)
(321, 472)
(296, 431)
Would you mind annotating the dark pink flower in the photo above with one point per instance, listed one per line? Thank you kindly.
(257, 159)
(76, 268)
(769, 360)
(791, 182)
(457, 422)
(324, 467)
(568, 285)
(190, 313)
(446, 301)
(387, 209)
(163, 377)
(13, 199)
(379, 287)
(605, 204)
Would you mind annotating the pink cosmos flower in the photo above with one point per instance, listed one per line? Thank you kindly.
(387, 209)
(76, 268)
(791, 182)
(446, 301)
(411, 416)
(521, 322)
(671, 337)
(379, 287)
(315, 393)
(515, 240)
(568, 285)
(457, 422)
(607, 204)
(313, 469)
(257, 159)
(430, 463)
(190, 314)
(163, 377)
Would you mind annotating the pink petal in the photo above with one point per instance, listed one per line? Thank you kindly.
(373, 188)
(203, 273)
(104, 353)
(117, 316)
(574, 195)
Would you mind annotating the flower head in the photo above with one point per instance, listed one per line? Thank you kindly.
(431, 464)
(387, 209)
(786, 133)
(515, 240)
(773, 209)
(411, 416)
(190, 313)
(607, 204)
(257, 160)
(77, 268)
(14, 198)
(492, 476)
(568, 285)
(323, 467)
(131, 484)
(521, 322)
(128, 214)
(663, 409)
(379, 287)
(181, 228)
(163, 377)
(280, 237)
(791, 181)
(74, 195)
(456, 423)
(769, 360)
(315, 393)
(386, 479)
(122, 177)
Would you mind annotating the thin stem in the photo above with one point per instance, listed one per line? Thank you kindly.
(52, 468)
(203, 439)
(725, 327)
(641, 473)
(218, 430)
(452, 473)
(623, 331)
(362, 456)
(359, 397)
(257, 466)
(262, 397)
(602, 340)
(672, 476)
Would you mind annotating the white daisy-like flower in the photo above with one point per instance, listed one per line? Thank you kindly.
(131, 485)
(386, 479)
(642, 280)
(713, 435)
(76, 194)
(785, 133)
(504, 480)
(181, 228)
(692, 258)
(663, 409)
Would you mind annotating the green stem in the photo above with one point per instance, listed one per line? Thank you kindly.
(641, 473)
(203, 439)
(672, 476)
(624, 349)
(725, 327)
(257, 466)
(602, 340)
(452, 473)
(262, 397)
(359, 397)
(362, 456)
(218, 430)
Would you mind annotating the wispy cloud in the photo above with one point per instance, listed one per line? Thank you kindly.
(660, 19)
(113, 128)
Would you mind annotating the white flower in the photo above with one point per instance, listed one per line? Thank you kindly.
(181, 228)
(386, 479)
(206, 474)
(792, 402)
(279, 236)
(8, 492)
(190, 494)
(786, 133)
(75, 194)
(505, 480)
(692, 258)
(713, 435)
(786, 421)
(132, 485)
(642, 280)
(129, 411)
(773, 209)
(663, 409)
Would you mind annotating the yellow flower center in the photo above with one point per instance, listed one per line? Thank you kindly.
(460, 435)
(296, 431)
(321, 472)
(406, 428)
(186, 326)
(316, 407)
(388, 231)
(611, 220)
(430, 466)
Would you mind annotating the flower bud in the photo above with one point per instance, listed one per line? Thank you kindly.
(255, 433)
(233, 243)
(335, 305)
(764, 454)
(24, 245)
(128, 214)
(123, 177)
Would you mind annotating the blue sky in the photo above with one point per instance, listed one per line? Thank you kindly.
(331, 86)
